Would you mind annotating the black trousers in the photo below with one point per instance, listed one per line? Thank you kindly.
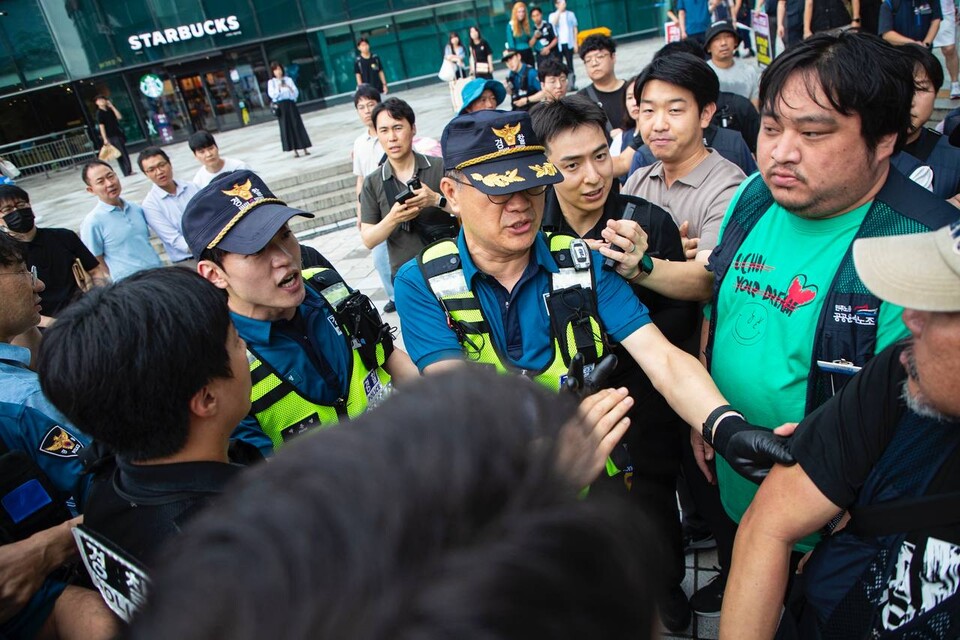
(120, 142)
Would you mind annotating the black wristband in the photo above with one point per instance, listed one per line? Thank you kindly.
(709, 423)
(721, 437)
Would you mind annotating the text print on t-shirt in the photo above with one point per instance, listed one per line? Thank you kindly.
(754, 276)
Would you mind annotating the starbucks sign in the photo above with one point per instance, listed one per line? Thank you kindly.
(151, 85)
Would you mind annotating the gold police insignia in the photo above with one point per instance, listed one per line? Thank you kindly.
(545, 169)
(60, 443)
(240, 190)
(498, 179)
(508, 133)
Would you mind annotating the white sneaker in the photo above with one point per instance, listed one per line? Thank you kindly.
(955, 90)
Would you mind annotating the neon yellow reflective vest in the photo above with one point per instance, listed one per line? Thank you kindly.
(283, 412)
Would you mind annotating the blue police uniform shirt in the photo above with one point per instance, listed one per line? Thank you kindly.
(518, 320)
(54, 447)
(533, 81)
(909, 18)
(307, 361)
(21, 385)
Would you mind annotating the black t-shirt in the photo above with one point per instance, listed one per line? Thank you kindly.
(108, 119)
(612, 102)
(137, 507)
(369, 70)
(547, 34)
(481, 52)
(52, 252)
(838, 444)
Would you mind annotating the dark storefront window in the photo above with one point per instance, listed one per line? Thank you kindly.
(425, 57)
(338, 49)
(33, 49)
(300, 63)
(320, 12)
(459, 18)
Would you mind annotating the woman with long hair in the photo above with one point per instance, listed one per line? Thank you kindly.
(455, 53)
(519, 34)
(284, 93)
(481, 55)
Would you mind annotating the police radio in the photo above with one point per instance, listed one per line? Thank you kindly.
(29, 502)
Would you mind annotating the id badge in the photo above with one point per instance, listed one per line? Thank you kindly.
(375, 390)
(837, 368)
(923, 9)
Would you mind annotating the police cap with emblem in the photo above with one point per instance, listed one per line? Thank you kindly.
(497, 152)
(236, 212)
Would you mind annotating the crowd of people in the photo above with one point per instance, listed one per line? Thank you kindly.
(689, 282)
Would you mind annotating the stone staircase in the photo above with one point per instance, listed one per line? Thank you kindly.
(327, 192)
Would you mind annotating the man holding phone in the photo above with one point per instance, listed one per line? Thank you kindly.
(401, 203)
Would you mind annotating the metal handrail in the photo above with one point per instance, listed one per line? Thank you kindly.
(63, 150)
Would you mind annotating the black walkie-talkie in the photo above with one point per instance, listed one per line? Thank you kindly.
(628, 212)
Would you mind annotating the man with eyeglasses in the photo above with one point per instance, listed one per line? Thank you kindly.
(507, 296)
(164, 204)
(599, 55)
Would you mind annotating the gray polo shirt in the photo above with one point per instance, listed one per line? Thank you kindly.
(700, 197)
(374, 206)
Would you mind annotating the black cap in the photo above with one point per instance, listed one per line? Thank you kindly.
(497, 151)
(718, 27)
(508, 53)
(236, 212)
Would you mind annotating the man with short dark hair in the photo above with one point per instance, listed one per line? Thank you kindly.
(787, 303)
(599, 55)
(406, 220)
(318, 351)
(207, 153)
(587, 205)
(115, 231)
(368, 68)
(52, 251)
(677, 95)
(165, 464)
(885, 450)
(108, 120)
(553, 79)
(522, 82)
(544, 37)
(164, 204)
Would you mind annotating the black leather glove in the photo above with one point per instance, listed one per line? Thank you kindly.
(750, 450)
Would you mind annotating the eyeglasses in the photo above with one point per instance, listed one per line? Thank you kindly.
(157, 167)
(10, 208)
(504, 198)
(32, 273)
(597, 59)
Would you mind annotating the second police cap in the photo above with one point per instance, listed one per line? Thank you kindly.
(497, 151)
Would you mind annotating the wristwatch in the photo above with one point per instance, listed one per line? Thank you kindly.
(646, 264)
(442, 203)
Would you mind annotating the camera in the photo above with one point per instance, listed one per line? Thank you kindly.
(413, 184)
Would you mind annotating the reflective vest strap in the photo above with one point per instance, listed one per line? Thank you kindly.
(328, 283)
(258, 372)
(277, 391)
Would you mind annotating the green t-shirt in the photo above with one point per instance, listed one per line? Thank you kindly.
(769, 304)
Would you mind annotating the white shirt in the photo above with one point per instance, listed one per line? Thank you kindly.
(204, 177)
(564, 27)
(283, 89)
(163, 212)
(367, 153)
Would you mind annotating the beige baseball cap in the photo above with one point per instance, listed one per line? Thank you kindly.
(917, 271)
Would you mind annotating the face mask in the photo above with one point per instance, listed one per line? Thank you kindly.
(19, 220)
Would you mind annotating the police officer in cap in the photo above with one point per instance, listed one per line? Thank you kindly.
(505, 295)
(318, 350)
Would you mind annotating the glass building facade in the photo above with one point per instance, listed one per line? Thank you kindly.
(173, 66)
